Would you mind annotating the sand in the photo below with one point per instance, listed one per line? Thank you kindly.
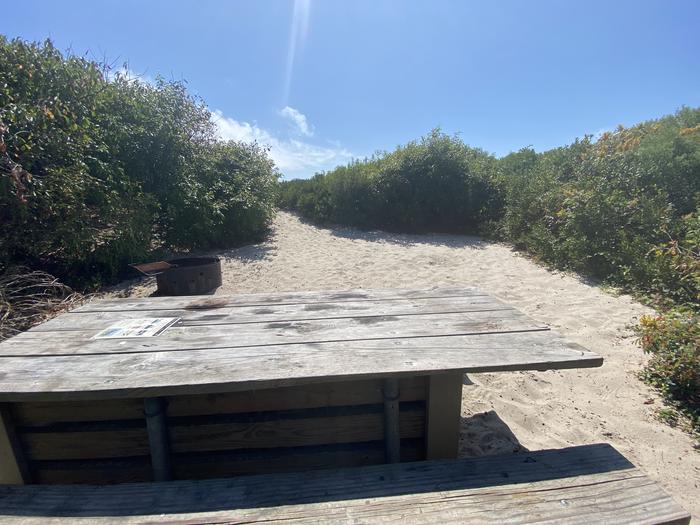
(505, 411)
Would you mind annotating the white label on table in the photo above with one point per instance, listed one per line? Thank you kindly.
(147, 327)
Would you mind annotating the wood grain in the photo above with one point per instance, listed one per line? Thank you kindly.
(187, 338)
(222, 464)
(286, 428)
(585, 485)
(208, 302)
(102, 444)
(77, 320)
(101, 471)
(340, 393)
(214, 371)
(352, 428)
(257, 341)
(277, 460)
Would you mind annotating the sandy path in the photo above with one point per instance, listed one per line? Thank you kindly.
(504, 411)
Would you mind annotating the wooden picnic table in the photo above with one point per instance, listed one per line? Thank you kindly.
(256, 383)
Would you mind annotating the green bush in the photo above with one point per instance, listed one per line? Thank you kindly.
(96, 173)
(435, 184)
(673, 340)
(677, 264)
(598, 208)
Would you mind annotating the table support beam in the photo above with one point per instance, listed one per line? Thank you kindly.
(157, 425)
(392, 431)
(443, 415)
(13, 467)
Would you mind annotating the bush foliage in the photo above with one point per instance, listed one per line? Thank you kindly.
(624, 208)
(98, 170)
(673, 339)
(435, 184)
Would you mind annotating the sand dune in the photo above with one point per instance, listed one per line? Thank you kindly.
(506, 411)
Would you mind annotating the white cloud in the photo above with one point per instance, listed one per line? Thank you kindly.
(294, 158)
(299, 120)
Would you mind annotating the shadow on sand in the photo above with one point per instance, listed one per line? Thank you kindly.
(486, 434)
(404, 239)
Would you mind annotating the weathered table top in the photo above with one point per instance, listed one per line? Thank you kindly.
(252, 341)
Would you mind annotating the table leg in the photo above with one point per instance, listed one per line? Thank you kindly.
(443, 415)
(13, 469)
(157, 426)
(392, 431)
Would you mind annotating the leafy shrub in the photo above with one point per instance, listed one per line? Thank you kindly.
(61, 198)
(97, 172)
(598, 208)
(240, 184)
(435, 184)
(673, 340)
(677, 264)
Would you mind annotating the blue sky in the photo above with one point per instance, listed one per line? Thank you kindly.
(323, 81)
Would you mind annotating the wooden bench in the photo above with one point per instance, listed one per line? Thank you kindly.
(585, 484)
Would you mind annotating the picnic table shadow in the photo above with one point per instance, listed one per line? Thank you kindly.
(486, 434)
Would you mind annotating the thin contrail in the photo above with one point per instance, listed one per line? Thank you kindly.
(300, 25)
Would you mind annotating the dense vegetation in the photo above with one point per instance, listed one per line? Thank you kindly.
(624, 208)
(99, 170)
(437, 183)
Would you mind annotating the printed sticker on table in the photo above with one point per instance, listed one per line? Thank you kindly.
(147, 327)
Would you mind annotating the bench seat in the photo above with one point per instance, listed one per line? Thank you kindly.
(584, 484)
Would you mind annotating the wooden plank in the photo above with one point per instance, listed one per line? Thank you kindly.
(340, 393)
(280, 432)
(271, 334)
(78, 320)
(276, 460)
(99, 471)
(208, 302)
(443, 415)
(225, 432)
(400, 333)
(585, 485)
(223, 464)
(44, 413)
(12, 465)
(102, 444)
(213, 371)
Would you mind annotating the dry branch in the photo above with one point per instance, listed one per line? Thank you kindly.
(29, 297)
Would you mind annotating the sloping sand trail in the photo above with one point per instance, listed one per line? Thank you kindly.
(505, 411)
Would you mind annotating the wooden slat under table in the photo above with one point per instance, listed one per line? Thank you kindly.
(256, 383)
